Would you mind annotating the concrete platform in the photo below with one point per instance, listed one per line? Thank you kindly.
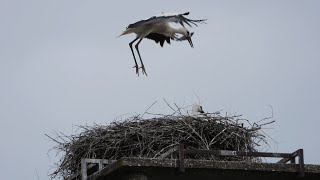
(168, 169)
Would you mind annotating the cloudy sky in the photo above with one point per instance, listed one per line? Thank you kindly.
(61, 65)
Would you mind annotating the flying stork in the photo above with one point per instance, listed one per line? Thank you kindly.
(160, 28)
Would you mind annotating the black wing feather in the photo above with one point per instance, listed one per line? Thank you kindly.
(158, 38)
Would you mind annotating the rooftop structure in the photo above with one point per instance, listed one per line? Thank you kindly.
(172, 165)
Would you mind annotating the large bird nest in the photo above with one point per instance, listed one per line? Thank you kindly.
(138, 137)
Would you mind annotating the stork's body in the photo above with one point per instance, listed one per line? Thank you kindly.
(160, 29)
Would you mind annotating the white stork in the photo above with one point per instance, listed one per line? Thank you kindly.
(196, 108)
(160, 29)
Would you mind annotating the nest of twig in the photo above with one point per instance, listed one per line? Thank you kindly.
(137, 137)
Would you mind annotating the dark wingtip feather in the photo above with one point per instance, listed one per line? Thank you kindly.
(158, 38)
(168, 40)
(161, 43)
(185, 14)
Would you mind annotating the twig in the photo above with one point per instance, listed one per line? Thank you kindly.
(148, 109)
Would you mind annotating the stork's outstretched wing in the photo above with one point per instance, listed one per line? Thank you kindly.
(179, 18)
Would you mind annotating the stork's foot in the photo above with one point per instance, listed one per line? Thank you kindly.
(143, 70)
(137, 69)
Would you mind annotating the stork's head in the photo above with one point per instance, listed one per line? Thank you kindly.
(196, 108)
(127, 31)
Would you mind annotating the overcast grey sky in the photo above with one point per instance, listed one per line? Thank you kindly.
(61, 65)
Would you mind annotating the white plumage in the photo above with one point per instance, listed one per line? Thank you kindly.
(196, 109)
(160, 28)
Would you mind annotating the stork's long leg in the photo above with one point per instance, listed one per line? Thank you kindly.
(134, 57)
(142, 66)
